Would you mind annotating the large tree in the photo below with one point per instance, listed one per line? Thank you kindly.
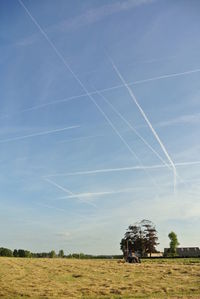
(140, 237)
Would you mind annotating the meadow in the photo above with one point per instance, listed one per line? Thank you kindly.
(72, 278)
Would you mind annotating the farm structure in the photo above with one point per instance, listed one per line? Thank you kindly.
(185, 251)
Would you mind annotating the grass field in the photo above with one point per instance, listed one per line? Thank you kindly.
(69, 278)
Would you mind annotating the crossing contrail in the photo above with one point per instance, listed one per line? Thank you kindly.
(40, 106)
(38, 134)
(74, 75)
(78, 80)
(60, 56)
(121, 169)
(66, 190)
(130, 149)
(133, 129)
(147, 121)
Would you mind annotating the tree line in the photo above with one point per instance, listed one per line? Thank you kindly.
(52, 254)
(26, 253)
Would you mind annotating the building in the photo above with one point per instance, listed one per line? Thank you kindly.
(185, 251)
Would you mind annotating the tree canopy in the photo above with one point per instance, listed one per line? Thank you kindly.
(140, 237)
(5, 252)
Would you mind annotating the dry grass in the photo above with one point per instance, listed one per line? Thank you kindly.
(65, 278)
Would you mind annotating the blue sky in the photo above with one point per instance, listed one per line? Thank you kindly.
(79, 162)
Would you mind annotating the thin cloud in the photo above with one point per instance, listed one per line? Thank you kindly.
(183, 119)
(91, 16)
(51, 207)
(80, 138)
(97, 14)
(27, 41)
(64, 235)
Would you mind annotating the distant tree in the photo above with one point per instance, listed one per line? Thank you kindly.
(24, 253)
(6, 252)
(140, 237)
(15, 253)
(43, 254)
(28, 253)
(173, 243)
(52, 254)
(40, 255)
(21, 253)
(61, 253)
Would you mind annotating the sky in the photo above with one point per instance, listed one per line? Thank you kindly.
(99, 118)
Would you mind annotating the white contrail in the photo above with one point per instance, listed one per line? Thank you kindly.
(104, 170)
(187, 163)
(133, 129)
(91, 194)
(87, 92)
(147, 121)
(77, 79)
(80, 82)
(165, 76)
(47, 104)
(38, 134)
(67, 191)
(118, 169)
(129, 148)
(36, 107)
